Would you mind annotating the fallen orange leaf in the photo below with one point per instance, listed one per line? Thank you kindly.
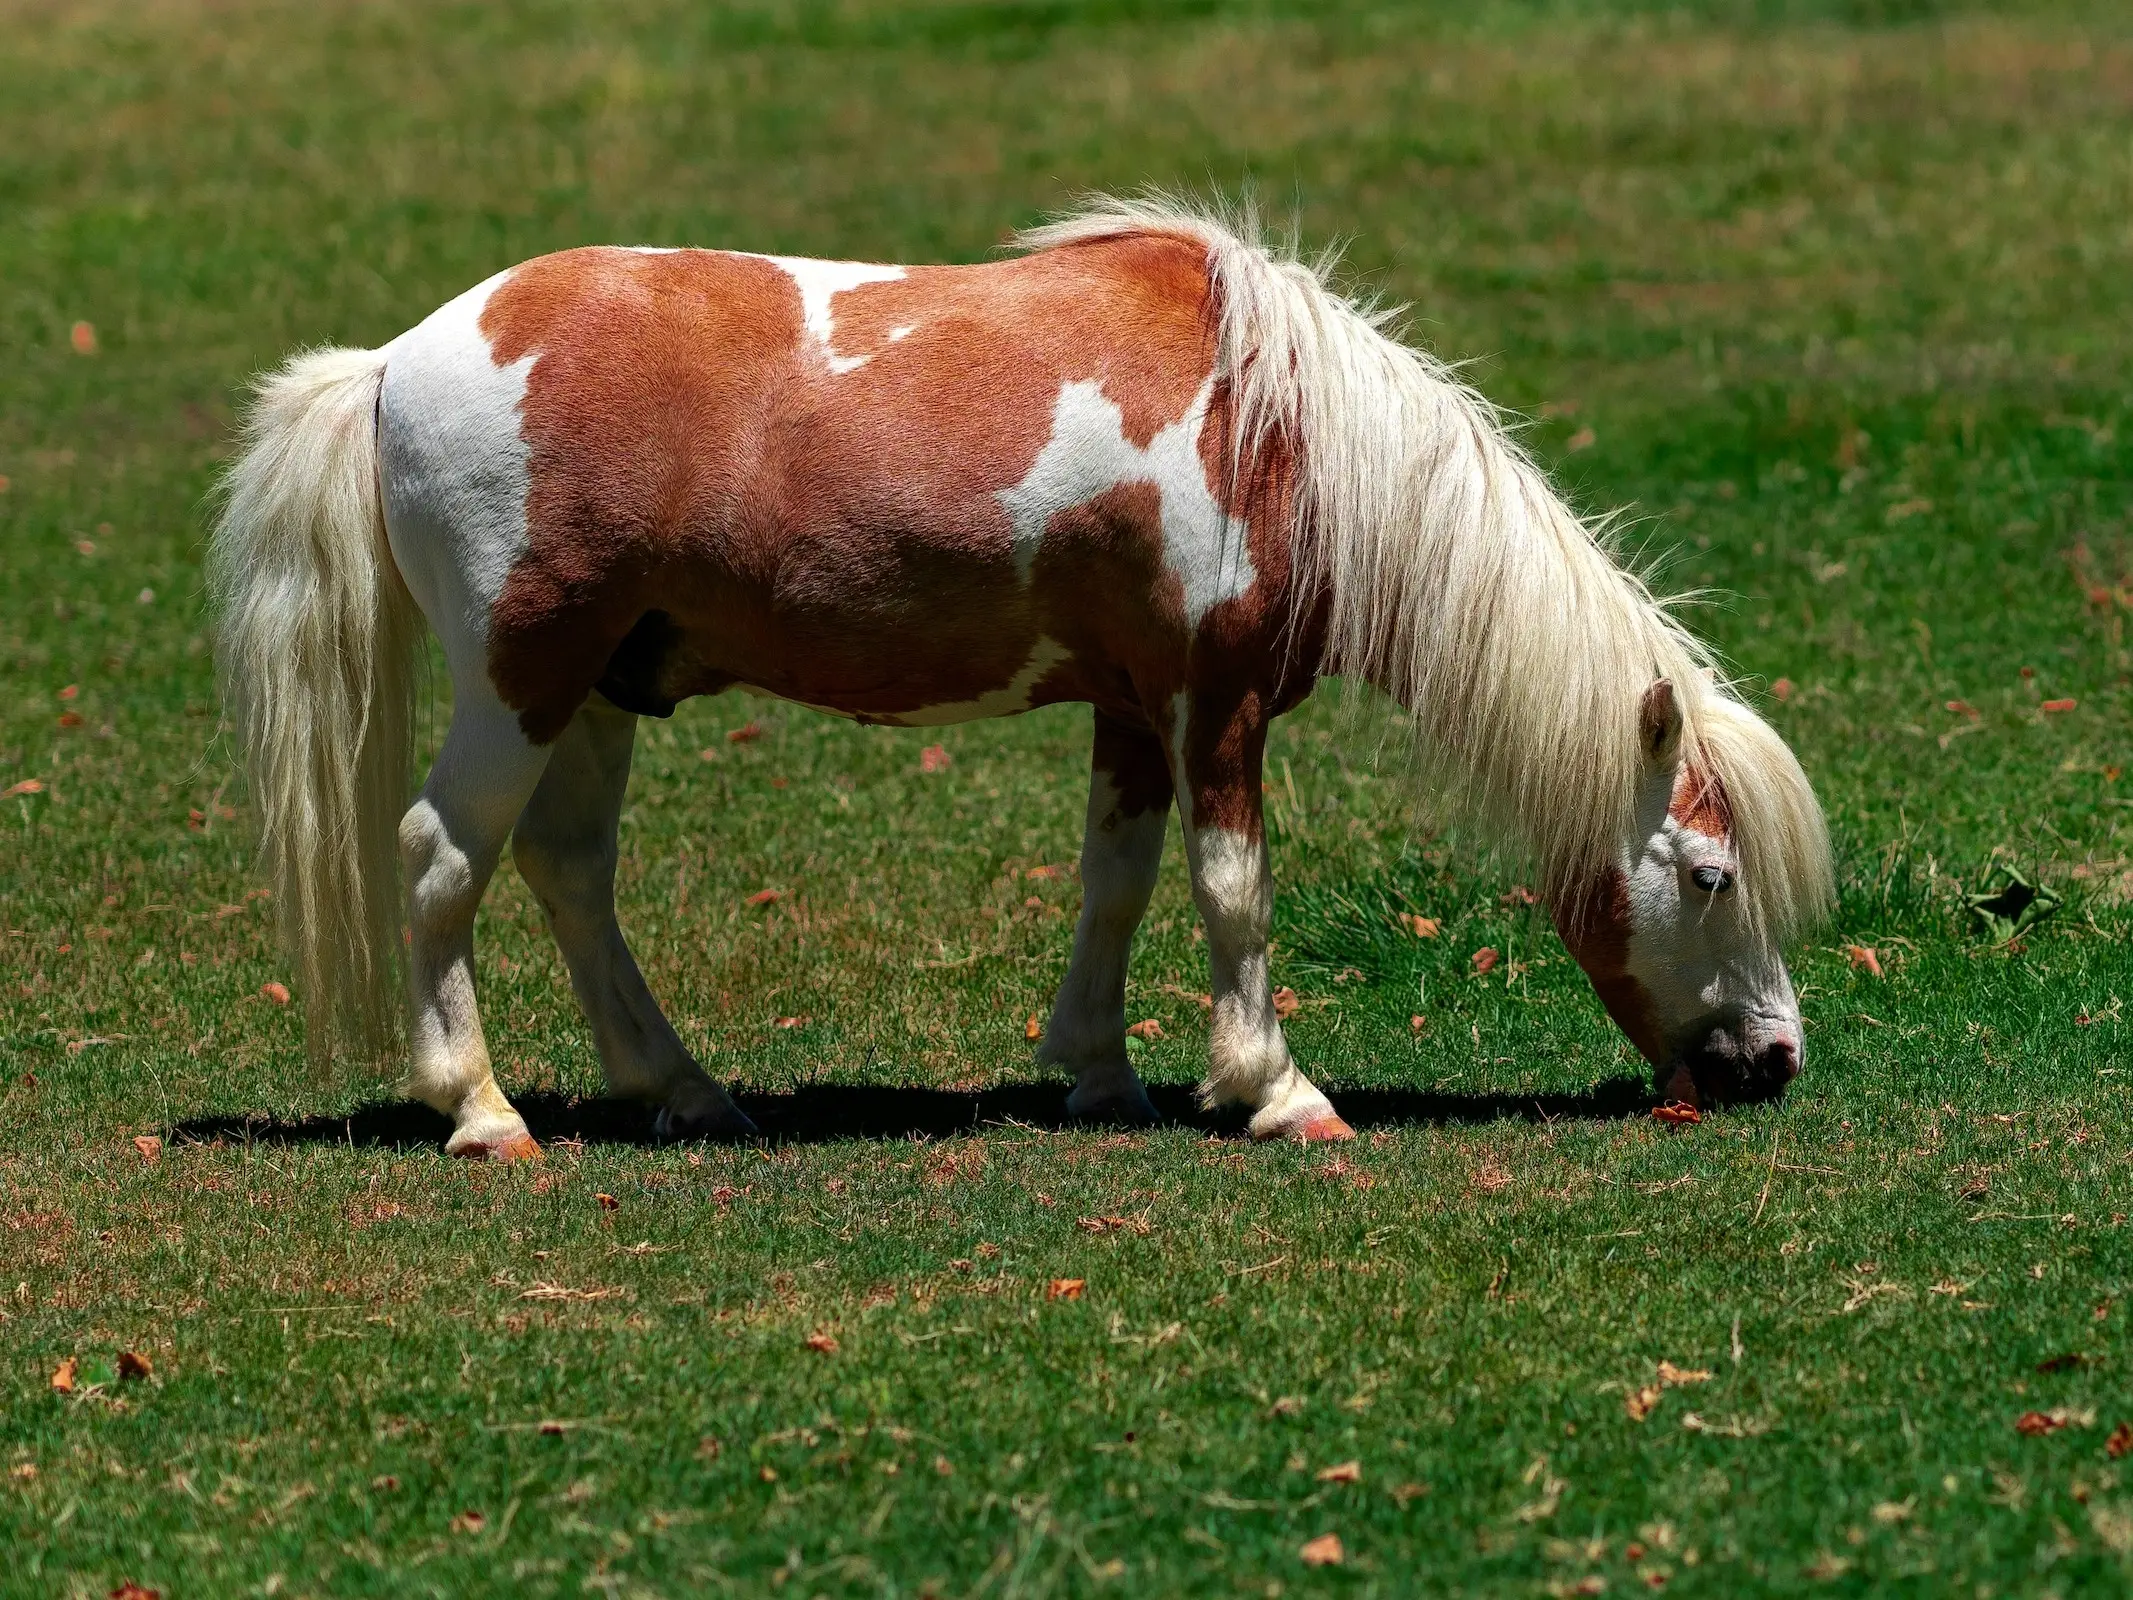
(934, 758)
(149, 1145)
(1325, 1550)
(63, 1377)
(2058, 705)
(1033, 1029)
(26, 786)
(1417, 1022)
(746, 733)
(1669, 1373)
(132, 1364)
(1519, 895)
(1781, 690)
(2035, 1424)
(822, 1343)
(70, 719)
(83, 337)
(129, 1590)
(1286, 1004)
(1065, 1288)
(607, 1202)
(1148, 1029)
(276, 992)
(2120, 1444)
(1640, 1403)
(1863, 959)
(1420, 926)
(1345, 1472)
(762, 897)
(1676, 1111)
(1485, 959)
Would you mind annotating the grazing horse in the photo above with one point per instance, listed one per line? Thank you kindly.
(1147, 463)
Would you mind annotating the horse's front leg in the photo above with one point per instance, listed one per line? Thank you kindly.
(1129, 809)
(1218, 748)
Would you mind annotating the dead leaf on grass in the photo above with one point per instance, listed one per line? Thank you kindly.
(469, 1522)
(133, 1365)
(1065, 1288)
(1676, 1113)
(1671, 1374)
(276, 992)
(1420, 926)
(746, 733)
(1324, 1551)
(1148, 1028)
(762, 897)
(2035, 1424)
(1033, 1030)
(1484, 960)
(1344, 1472)
(1640, 1403)
(63, 1376)
(2120, 1444)
(26, 786)
(1286, 1003)
(934, 758)
(822, 1343)
(150, 1146)
(1864, 958)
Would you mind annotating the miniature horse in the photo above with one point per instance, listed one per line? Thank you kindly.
(1149, 463)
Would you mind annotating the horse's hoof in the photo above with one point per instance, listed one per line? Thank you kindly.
(520, 1146)
(713, 1121)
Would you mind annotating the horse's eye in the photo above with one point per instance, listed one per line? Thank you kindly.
(1712, 880)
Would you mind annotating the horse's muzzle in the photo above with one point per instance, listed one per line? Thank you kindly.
(1739, 1061)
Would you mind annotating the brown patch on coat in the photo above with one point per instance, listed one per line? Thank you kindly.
(1595, 927)
(1699, 802)
(834, 538)
(1132, 758)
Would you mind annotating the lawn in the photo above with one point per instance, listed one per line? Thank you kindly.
(1833, 296)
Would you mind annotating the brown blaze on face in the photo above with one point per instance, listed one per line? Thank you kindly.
(1695, 982)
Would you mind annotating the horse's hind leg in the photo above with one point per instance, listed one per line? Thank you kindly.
(1129, 809)
(565, 847)
(449, 844)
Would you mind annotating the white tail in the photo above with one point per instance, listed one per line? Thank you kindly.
(315, 650)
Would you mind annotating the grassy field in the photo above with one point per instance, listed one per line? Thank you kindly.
(1835, 296)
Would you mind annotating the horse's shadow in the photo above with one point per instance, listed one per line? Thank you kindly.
(822, 1113)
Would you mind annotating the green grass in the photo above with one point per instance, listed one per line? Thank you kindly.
(1839, 291)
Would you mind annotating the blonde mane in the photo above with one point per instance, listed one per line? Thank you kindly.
(1462, 585)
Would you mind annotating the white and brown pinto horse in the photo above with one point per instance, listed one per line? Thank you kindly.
(1149, 464)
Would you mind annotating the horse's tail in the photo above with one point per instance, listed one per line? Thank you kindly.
(316, 655)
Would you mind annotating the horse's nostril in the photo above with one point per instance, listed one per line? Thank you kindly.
(1781, 1059)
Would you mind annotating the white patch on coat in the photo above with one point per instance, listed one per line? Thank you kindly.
(1005, 701)
(1088, 453)
(453, 469)
(819, 283)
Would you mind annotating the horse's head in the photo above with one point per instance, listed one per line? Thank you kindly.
(1679, 954)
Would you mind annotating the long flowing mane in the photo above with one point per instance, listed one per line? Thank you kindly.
(1463, 586)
